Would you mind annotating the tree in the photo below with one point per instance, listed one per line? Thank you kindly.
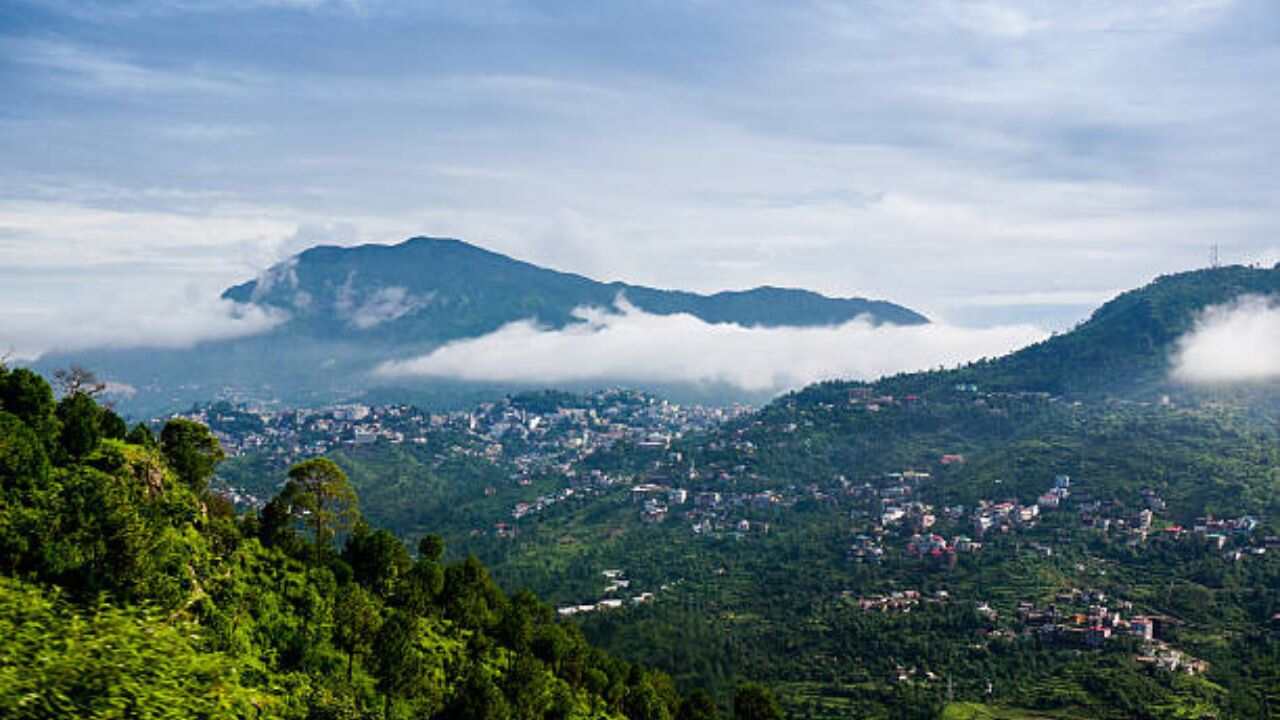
(519, 621)
(431, 547)
(528, 687)
(355, 618)
(471, 598)
(26, 395)
(377, 558)
(103, 540)
(698, 705)
(320, 495)
(478, 699)
(753, 701)
(141, 435)
(421, 587)
(550, 643)
(24, 474)
(112, 425)
(192, 451)
(398, 661)
(77, 380)
(275, 526)
(79, 416)
(643, 702)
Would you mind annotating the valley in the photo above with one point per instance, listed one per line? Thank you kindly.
(546, 360)
(1007, 524)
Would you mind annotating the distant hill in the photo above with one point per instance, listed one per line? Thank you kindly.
(436, 289)
(352, 308)
(1125, 348)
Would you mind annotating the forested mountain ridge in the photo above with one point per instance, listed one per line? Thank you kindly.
(1124, 348)
(127, 589)
(439, 289)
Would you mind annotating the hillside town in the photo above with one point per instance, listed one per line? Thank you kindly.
(536, 432)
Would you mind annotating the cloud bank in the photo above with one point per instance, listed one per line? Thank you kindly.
(1235, 342)
(178, 322)
(628, 344)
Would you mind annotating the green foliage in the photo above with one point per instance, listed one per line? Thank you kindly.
(1124, 348)
(378, 559)
(356, 621)
(471, 597)
(104, 662)
(192, 451)
(480, 698)
(753, 701)
(80, 419)
(26, 395)
(319, 495)
(24, 493)
(141, 435)
(431, 547)
(112, 425)
(143, 596)
(645, 702)
(698, 705)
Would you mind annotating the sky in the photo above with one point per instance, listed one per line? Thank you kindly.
(991, 164)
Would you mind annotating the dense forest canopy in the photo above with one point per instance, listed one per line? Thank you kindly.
(128, 589)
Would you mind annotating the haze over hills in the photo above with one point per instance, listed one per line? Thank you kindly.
(342, 311)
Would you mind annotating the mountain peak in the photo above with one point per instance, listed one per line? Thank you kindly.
(350, 309)
(437, 289)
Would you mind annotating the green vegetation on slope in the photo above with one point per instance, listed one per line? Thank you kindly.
(127, 589)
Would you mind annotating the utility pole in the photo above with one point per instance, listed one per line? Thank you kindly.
(1213, 257)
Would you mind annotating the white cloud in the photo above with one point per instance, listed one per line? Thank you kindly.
(92, 70)
(1235, 342)
(384, 305)
(635, 346)
(119, 322)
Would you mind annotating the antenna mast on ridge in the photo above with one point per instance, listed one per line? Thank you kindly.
(1213, 257)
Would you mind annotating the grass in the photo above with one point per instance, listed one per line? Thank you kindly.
(979, 711)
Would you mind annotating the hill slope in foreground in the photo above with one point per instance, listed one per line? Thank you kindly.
(127, 589)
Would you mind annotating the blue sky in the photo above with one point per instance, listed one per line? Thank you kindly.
(984, 162)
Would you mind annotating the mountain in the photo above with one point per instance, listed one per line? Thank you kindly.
(1125, 348)
(349, 309)
(435, 289)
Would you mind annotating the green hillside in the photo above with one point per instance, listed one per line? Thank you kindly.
(1124, 348)
(127, 589)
